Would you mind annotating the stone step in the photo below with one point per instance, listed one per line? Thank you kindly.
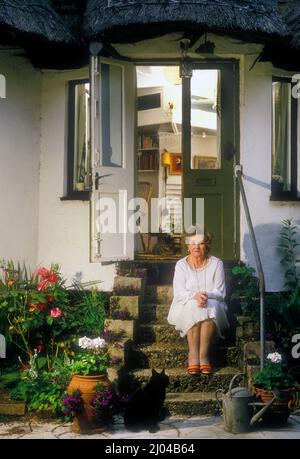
(159, 333)
(162, 333)
(171, 355)
(182, 382)
(159, 293)
(192, 404)
(153, 312)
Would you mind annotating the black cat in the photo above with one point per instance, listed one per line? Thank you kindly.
(145, 408)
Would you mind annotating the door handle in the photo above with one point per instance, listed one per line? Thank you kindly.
(228, 151)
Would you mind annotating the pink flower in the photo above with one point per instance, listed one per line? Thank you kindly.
(40, 347)
(55, 312)
(43, 285)
(43, 272)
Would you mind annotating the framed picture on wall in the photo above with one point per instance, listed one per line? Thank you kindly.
(204, 162)
(176, 164)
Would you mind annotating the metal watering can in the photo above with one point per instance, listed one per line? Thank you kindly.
(237, 406)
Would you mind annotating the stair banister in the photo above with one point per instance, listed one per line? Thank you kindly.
(239, 174)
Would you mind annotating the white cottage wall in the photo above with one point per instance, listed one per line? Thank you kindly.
(19, 158)
(63, 225)
(256, 147)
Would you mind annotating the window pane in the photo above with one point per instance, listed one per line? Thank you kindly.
(111, 115)
(81, 134)
(281, 151)
(205, 119)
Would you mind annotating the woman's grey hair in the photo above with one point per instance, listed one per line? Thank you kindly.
(199, 229)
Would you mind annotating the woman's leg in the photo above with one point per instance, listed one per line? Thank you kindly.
(207, 335)
(193, 339)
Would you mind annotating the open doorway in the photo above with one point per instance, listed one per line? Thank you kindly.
(159, 159)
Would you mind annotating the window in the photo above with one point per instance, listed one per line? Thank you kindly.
(284, 140)
(111, 97)
(78, 139)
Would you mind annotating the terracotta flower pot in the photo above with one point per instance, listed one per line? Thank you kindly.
(281, 408)
(86, 384)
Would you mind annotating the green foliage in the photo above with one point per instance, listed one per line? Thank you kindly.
(287, 247)
(42, 393)
(89, 311)
(274, 376)
(86, 363)
(246, 289)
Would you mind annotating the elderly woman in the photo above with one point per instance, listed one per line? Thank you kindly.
(198, 309)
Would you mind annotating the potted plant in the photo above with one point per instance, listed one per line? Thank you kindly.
(89, 368)
(106, 403)
(275, 380)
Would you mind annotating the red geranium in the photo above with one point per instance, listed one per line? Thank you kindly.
(55, 312)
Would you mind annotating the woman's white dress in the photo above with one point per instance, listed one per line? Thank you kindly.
(184, 311)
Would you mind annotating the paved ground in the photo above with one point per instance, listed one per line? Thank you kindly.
(172, 428)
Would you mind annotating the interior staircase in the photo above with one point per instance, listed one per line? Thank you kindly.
(156, 344)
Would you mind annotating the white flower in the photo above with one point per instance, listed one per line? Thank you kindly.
(92, 344)
(99, 343)
(85, 342)
(275, 357)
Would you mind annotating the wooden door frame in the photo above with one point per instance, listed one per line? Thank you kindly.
(186, 139)
(186, 132)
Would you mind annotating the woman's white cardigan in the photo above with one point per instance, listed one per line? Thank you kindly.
(184, 311)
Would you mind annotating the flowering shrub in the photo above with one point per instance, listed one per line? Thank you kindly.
(106, 403)
(93, 359)
(274, 375)
(72, 404)
(34, 310)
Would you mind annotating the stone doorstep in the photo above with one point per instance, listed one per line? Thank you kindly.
(131, 303)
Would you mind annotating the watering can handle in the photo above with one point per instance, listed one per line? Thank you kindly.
(217, 397)
(232, 381)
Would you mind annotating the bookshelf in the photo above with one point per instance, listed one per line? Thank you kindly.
(148, 158)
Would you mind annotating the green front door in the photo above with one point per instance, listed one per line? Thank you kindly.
(210, 139)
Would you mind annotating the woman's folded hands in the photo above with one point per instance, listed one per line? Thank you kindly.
(201, 298)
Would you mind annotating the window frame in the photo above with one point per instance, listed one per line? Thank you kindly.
(291, 195)
(71, 193)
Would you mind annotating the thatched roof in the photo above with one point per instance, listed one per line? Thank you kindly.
(72, 11)
(285, 53)
(32, 19)
(129, 20)
(292, 18)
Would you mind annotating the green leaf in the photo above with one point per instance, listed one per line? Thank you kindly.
(49, 320)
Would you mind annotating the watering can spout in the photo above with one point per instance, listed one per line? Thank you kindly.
(258, 415)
